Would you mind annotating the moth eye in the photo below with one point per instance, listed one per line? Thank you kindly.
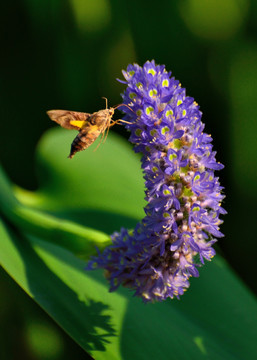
(92, 121)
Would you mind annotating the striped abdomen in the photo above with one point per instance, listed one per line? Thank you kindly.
(84, 139)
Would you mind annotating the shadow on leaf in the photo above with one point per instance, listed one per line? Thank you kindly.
(87, 321)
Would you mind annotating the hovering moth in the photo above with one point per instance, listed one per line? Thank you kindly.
(90, 126)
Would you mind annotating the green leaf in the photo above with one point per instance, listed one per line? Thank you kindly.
(215, 319)
(76, 238)
(210, 321)
(103, 187)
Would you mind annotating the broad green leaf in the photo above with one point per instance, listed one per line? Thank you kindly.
(79, 239)
(215, 319)
(92, 177)
(106, 180)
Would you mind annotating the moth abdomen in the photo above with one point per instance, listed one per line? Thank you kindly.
(77, 145)
(82, 141)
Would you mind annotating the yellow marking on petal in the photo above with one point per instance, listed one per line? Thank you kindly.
(179, 102)
(138, 132)
(164, 130)
(184, 112)
(153, 132)
(151, 71)
(165, 83)
(166, 192)
(169, 113)
(78, 123)
(152, 92)
(172, 156)
(132, 95)
(149, 109)
(197, 208)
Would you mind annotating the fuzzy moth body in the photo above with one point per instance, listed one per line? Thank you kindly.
(90, 126)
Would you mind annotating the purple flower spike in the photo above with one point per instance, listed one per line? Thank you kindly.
(184, 197)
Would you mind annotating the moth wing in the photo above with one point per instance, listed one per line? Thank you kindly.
(69, 119)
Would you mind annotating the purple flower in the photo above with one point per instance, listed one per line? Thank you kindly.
(184, 197)
(174, 161)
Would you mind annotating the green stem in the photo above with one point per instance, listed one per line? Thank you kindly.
(76, 238)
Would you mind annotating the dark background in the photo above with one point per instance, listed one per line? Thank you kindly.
(67, 54)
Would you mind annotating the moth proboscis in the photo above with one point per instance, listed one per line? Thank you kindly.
(90, 126)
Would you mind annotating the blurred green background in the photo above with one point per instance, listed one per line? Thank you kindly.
(67, 55)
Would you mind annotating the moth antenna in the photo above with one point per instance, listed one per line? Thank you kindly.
(126, 106)
(106, 101)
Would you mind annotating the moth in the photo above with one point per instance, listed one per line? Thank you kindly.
(90, 126)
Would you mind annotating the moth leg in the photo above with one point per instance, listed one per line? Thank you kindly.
(103, 138)
(119, 121)
(107, 132)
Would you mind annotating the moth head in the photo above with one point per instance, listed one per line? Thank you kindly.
(111, 112)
